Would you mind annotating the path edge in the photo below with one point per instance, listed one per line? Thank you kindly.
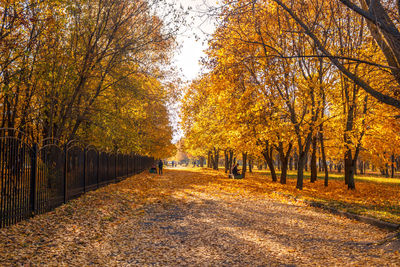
(369, 220)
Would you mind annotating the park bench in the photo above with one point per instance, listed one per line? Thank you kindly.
(240, 176)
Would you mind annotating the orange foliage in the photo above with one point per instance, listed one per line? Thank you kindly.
(379, 200)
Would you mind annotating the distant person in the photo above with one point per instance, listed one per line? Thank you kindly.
(153, 169)
(160, 166)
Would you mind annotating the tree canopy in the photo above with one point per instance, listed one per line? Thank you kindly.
(304, 79)
(91, 70)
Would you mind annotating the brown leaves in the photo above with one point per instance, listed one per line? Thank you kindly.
(187, 217)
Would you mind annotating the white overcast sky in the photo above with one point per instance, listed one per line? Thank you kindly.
(191, 49)
(187, 59)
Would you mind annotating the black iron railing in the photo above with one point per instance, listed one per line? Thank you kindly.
(35, 179)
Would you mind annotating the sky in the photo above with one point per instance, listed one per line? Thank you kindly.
(192, 42)
(191, 51)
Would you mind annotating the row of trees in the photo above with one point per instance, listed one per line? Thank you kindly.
(302, 78)
(92, 70)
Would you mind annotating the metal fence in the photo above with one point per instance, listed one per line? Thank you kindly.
(35, 179)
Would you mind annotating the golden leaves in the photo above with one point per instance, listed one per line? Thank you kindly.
(190, 217)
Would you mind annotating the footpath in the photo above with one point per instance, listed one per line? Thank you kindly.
(188, 217)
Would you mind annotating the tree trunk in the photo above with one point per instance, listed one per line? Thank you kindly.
(244, 156)
(349, 167)
(386, 170)
(392, 166)
(271, 167)
(303, 157)
(216, 159)
(278, 161)
(361, 166)
(209, 160)
(320, 169)
(300, 171)
(201, 162)
(268, 156)
(226, 161)
(251, 165)
(325, 166)
(284, 159)
(306, 164)
(291, 163)
(314, 170)
(230, 163)
(355, 168)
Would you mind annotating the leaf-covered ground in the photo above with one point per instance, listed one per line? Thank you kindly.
(196, 218)
(374, 196)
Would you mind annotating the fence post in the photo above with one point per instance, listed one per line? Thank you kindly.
(134, 164)
(65, 173)
(33, 193)
(98, 169)
(84, 170)
(115, 165)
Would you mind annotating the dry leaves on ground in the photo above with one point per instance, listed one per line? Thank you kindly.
(371, 197)
(190, 217)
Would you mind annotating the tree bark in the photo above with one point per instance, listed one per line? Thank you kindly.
(226, 161)
(300, 172)
(349, 166)
(361, 167)
(303, 157)
(244, 157)
(306, 164)
(259, 165)
(230, 161)
(278, 161)
(325, 166)
(320, 169)
(314, 170)
(215, 158)
(268, 156)
(284, 158)
(392, 166)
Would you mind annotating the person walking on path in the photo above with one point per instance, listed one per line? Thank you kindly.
(160, 166)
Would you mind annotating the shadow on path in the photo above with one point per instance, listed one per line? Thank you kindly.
(189, 218)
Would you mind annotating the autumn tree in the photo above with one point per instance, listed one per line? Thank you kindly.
(381, 21)
(63, 63)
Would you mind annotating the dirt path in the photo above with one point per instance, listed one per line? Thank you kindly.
(189, 218)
